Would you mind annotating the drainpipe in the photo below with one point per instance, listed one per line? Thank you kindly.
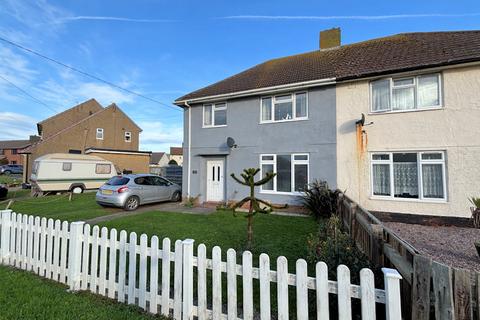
(189, 146)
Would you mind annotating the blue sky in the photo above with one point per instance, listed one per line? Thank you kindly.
(164, 49)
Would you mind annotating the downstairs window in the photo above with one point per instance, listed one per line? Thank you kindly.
(410, 175)
(292, 172)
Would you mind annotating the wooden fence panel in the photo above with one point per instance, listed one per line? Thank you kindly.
(462, 295)
(442, 291)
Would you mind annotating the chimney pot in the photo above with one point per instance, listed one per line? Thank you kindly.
(330, 38)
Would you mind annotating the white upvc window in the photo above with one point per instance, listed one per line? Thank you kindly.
(99, 134)
(409, 175)
(128, 136)
(214, 115)
(292, 172)
(406, 93)
(284, 107)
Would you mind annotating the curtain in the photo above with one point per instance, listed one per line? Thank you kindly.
(428, 91)
(381, 95)
(381, 179)
(301, 105)
(266, 109)
(432, 180)
(405, 179)
(403, 98)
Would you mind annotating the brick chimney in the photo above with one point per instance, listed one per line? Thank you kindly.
(330, 38)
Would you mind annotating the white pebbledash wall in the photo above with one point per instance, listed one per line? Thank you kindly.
(454, 129)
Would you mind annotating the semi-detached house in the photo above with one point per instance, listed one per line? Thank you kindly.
(393, 121)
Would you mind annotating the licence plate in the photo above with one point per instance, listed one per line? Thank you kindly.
(107, 192)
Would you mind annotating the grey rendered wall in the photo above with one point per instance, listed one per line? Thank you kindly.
(316, 136)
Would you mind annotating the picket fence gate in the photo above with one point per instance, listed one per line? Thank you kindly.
(114, 265)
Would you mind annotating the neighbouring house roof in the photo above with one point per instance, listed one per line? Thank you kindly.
(14, 144)
(401, 52)
(176, 151)
(118, 151)
(156, 156)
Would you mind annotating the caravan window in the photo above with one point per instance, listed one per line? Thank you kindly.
(67, 166)
(102, 168)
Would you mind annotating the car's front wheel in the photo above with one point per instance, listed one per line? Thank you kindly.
(132, 203)
(177, 196)
(7, 172)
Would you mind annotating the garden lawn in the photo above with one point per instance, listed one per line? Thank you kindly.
(24, 295)
(82, 207)
(273, 234)
(8, 179)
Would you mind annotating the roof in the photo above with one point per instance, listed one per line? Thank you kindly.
(401, 52)
(176, 151)
(69, 156)
(118, 151)
(156, 156)
(14, 144)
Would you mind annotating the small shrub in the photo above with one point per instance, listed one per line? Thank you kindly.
(475, 212)
(191, 202)
(320, 200)
(334, 247)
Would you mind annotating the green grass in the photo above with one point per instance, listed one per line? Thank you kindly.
(24, 295)
(273, 234)
(82, 207)
(4, 179)
(15, 194)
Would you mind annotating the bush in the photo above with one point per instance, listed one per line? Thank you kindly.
(475, 212)
(320, 200)
(334, 247)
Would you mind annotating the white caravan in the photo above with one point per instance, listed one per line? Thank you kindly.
(70, 172)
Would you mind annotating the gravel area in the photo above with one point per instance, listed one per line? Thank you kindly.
(453, 246)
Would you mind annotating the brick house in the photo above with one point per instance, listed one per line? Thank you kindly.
(89, 128)
(9, 150)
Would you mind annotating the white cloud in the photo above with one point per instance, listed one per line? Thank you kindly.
(16, 126)
(159, 136)
(105, 94)
(352, 17)
(109, 18)
(33, 13)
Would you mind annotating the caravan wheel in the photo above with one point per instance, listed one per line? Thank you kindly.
(77, 190)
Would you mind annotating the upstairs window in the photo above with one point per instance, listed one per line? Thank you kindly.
(215, 115)
(408, 93)
(287, 107)
(99, 134)
(128, 136)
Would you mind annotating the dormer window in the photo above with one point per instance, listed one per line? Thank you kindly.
(99, 135)
(285, 107)
(406, 93)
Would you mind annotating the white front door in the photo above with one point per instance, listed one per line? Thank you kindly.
(215, 180)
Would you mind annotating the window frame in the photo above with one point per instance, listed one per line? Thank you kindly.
(67, 166)
(129, 135)
(415, 86)
(293, 98)
(293, 162)
(420, 162)
(97, 165)
(101, 131)
(214, 108)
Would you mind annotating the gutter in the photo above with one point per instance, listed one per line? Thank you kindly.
(251, 92)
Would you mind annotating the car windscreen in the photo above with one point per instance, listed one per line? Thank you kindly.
(117, 181)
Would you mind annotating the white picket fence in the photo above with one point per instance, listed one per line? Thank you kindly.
(117, 266)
